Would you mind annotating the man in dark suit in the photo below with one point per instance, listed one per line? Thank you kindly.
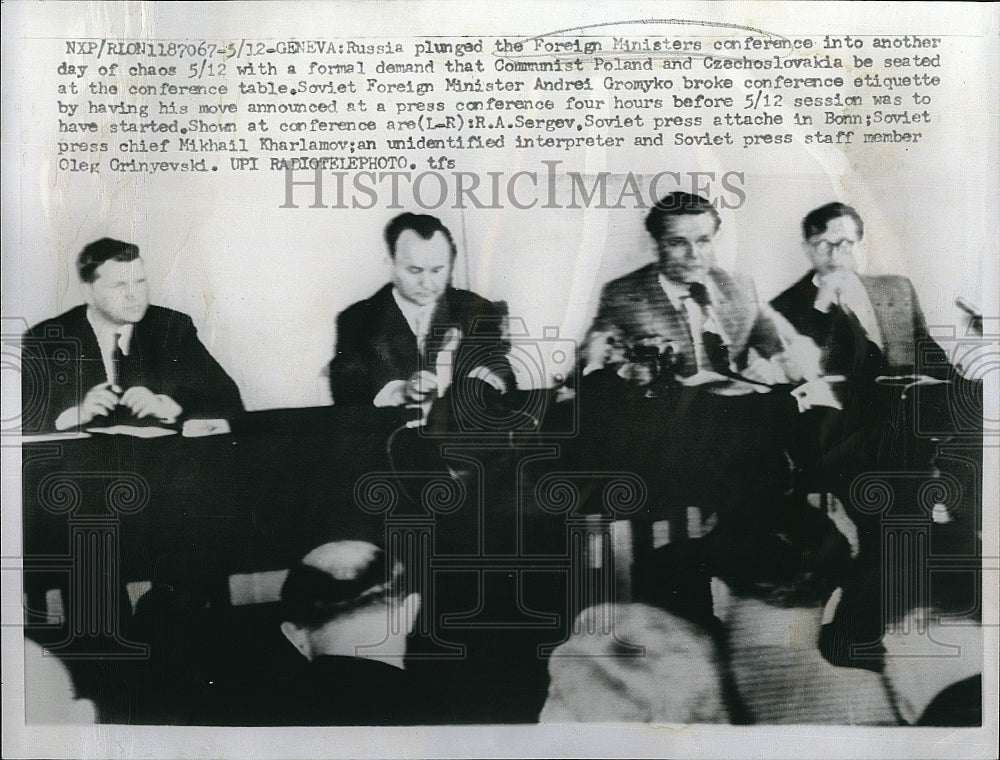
(417, 334)
(864, 325)
(116, 358)
(867, 327)
(347, 612)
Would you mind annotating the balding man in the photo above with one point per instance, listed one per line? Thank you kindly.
(346, 610)
(417, 334)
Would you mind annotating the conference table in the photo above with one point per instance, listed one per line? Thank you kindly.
(198, 510)
(507, 528)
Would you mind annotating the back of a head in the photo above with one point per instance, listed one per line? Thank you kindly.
(100, 251)
(337, 578)
(634, 663)
(795, 558)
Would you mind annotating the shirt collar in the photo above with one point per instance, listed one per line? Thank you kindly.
(105, 331)
(678, 291)
(409, 308)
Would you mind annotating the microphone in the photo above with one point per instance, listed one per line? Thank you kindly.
(975, 314)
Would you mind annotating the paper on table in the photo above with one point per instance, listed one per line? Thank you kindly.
(815, 393)
(200, 428)
(136, 431)
(46, 437)
(703, 377)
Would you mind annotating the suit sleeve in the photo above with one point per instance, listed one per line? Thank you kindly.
(929, 357)
(486, 344)
(351, 379)
(608, 311)
(202, 387)
(764, 335)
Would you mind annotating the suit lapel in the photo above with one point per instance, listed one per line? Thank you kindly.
(91, 364)
(656, 299)
(658, 317)
(442, 320)
(883, 304)
(732, 311)
(798, 306)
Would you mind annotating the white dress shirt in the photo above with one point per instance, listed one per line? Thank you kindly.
(107, 334)
(417, 317)
(700, 319)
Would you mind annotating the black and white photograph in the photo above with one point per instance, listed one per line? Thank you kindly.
(440, 379)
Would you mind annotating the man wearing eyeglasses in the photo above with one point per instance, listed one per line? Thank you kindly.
(865, 325)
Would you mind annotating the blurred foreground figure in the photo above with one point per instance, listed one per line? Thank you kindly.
(778, 577)
(634, 663)
(347, 612)
(49, 695)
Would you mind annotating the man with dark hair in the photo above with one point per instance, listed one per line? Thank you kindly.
(705, 334)
(116, 357)
(346, 610)
(864, 325)
(707, 319)
(407, 342)
(872, 332)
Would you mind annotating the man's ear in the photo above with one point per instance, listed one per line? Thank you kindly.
(411, 608)
(299, 637)
(87, 289)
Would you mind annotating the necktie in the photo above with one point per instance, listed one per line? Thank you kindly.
(117, 361)
(699, 294)
(422, 323)
(851, 350)
(709, 348)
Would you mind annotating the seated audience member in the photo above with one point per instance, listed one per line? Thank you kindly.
(865, 325)
(960, 704)
(347, 612)
(778, 578)
(634, 663)
(934, 645)
(417, 335)
(117, 358)
(688, 314)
